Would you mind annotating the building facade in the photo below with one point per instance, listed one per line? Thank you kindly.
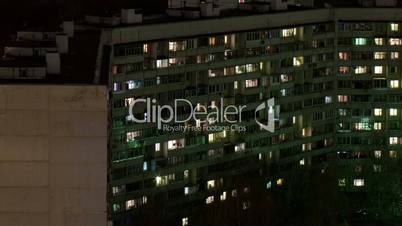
(335, 76)
(53, 155)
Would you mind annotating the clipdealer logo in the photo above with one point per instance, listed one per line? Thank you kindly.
(164, 115)
(269, 106)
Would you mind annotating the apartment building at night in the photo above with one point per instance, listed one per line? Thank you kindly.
(335, 75)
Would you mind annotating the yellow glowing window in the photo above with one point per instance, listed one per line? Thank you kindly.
(343, 98)
(393, 140)
(211, 184)
(184, 221)
(377, 154)
(361, 70)
(394, 84)
(209, 200)
(377, 126)
(393, 154)
(223, 196)
(378, 70)
(343, 55)
(394, 27)
(298, 61)
(145, 48)
(289, 32)
(377, 111)
(395, 41)
(358, 182)
(212, 41)
(393, 112)
(279, 182)
(379, 41)
(380, 55)
(251, 83)
(394, 55)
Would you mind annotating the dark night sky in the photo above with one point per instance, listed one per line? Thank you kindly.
(13, 13)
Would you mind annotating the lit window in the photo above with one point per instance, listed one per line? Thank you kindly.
(186, 174)
(394, 27)
(342, 182)
(289, 32)
(269, 184)
(162, 63)
(328, 99)
(358, 182)
(305, 132)
(395, 41)
(306, 147)
(240, 147)
(380, 55)
(360, 41)
(132, 135)
(279, 182)
(377, 154)
(130, 204)
(184, 221)
(285, 78)
(394, 55)
(145, 166)
(212, 41)
(394, 83)
(211, 184)
(177, 46)
(343, 55)
(251, 83)
(175, 144)
(133, 84)
(234, 193)
(158, 180)
(361, 70)
(342, 98)
(393, 112)
(379, 41)
(209, 200)
(118, 189)
(302, 162)
(343, 70)
(223, 196)
(235, 85)
(377, 126)
(377, 111)
(116, 87)
(378, 70)
(298, 61)
(362, 126)
(393, 140)
(145, 48)
(157, 146)
(393, 154)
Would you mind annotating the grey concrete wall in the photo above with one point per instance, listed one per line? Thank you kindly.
(53, 155)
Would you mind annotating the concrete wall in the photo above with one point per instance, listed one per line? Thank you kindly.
(191, 28)
(53, 155)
